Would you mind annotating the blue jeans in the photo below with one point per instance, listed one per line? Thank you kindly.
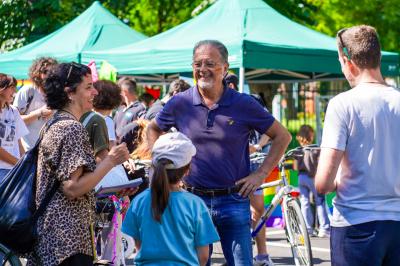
(232, 219)
(374, 243)
(306, 185)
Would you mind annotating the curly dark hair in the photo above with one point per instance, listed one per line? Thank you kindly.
(109, 95)
(40, 66)
(7, 81)
(63, 75)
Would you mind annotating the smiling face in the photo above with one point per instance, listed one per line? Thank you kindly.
(7, 95)
(82, 98)
(208, 67)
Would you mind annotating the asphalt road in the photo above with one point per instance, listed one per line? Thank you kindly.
(280, 252)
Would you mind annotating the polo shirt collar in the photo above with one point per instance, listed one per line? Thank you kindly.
(226, 98)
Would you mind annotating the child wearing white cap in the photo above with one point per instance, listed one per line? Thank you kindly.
(170, 225)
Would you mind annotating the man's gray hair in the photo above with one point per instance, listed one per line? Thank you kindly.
(223, 52)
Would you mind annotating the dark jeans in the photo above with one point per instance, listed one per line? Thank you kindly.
(374, 243)
(78, 260)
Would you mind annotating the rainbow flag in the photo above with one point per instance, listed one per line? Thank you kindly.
(276, 219)
(23, 82)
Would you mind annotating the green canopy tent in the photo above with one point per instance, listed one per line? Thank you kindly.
(94, 29)
(263, 46)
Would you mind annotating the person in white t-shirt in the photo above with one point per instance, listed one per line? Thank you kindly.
(360, 157)
(107, 99)
(12, 128)
(29, 100)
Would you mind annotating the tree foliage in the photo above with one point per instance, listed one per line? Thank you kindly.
(24, 21)
(329, 16)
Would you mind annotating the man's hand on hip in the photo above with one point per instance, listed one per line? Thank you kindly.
(250, 183)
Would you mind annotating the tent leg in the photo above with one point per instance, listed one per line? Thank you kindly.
(241, 79)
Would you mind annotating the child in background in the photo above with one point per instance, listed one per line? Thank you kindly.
(170, 226)
(307, 164)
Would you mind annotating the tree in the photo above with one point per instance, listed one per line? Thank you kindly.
(329, 16)
(22, 21)
(384, 15)
(153, 16)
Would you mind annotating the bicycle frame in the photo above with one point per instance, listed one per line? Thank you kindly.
(285, 192)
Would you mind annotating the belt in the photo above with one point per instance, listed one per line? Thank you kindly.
(211, 192)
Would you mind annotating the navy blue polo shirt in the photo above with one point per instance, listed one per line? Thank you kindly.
(220, 134)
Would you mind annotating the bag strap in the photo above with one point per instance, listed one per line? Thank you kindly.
(87, 119)
(57, 183)
(46, 200)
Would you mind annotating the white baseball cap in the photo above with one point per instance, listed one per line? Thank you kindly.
(175, 147)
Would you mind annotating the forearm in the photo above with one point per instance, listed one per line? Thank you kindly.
(101, 155)
(203, 254)
(278, 148)
(21, 148)
(31, 117)
(7, 157)
(80, 184)
(328, 164)
(280, 140)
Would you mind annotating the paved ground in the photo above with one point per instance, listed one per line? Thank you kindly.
(280, 251)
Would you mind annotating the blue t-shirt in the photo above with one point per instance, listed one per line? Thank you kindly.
(220, 134)
(185, 225)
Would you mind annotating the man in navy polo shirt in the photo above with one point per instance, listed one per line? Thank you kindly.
(219, 120)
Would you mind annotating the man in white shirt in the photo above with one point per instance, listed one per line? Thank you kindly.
(30, 103)
(360, 157)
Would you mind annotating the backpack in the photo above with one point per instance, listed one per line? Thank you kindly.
(18, 213)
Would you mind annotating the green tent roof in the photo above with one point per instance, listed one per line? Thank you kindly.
(94, 29)
(258, 38)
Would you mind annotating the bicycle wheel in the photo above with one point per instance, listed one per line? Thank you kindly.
(297, 234)
(7, 258)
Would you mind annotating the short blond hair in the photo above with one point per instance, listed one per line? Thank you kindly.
(362, 45)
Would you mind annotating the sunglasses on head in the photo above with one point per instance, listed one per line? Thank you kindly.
(7, 82)
(76, 66)
(344, 48)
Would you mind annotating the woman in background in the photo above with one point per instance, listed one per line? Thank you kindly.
(12, 128)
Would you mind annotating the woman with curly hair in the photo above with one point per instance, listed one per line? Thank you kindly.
(30, 100)
(66, 158)
(12, 128)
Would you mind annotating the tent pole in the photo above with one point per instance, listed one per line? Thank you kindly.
(241, 79)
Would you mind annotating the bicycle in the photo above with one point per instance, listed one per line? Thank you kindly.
(295, 227)
(8, 258)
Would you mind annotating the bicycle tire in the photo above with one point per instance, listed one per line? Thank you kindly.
(297, 234)
(7, 258)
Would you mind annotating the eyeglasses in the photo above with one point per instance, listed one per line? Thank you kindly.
(207, 64)
(344, 48)
(72, 65)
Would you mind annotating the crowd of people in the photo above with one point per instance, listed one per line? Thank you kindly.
(201, 187)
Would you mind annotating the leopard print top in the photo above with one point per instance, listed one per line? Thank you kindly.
(64, 228)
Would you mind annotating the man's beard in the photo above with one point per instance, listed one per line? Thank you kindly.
(205, 85)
